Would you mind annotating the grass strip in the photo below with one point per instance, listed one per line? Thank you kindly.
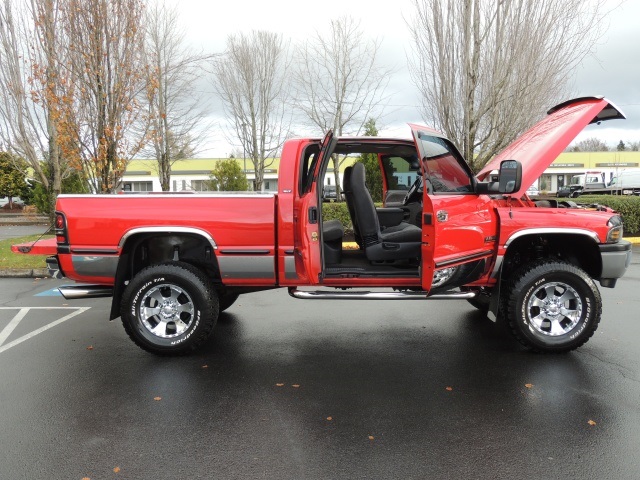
(8, 259)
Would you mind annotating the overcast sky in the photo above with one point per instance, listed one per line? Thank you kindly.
(614, 70)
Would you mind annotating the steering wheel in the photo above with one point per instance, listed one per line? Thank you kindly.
(415, 192)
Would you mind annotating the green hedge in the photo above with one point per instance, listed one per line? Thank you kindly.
(338, 211)
(627, 206)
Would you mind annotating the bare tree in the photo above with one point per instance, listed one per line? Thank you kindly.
(340, 83)
(31, 97)
(634, 145)
(175, 108)
(487, 70)
(107, 77)
(251, 78)
(591, 144)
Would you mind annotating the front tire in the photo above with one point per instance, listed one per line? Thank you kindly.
(169, 309)
(553, 307)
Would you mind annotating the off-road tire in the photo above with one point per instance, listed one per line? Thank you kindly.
(552, 306)
(169, 309)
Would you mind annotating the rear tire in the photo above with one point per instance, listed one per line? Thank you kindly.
(553, 307)
(169, 309)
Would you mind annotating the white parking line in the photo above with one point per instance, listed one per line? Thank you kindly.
(4, 334)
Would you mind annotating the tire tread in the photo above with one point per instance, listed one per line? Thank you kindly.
(522, 276)
(210, 310)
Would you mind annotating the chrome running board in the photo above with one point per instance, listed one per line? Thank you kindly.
(73, 292)
(368, 295)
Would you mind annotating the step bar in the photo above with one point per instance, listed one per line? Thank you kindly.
(74, 292)
(368, 295)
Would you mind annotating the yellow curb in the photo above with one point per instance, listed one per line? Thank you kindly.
(634, 240)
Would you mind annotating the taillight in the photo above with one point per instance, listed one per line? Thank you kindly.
(59, 221)
(61, 229)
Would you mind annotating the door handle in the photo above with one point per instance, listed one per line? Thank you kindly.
(313, 215)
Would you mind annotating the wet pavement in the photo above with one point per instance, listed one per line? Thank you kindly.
(314, 389)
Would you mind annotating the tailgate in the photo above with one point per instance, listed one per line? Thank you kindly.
(45, 246)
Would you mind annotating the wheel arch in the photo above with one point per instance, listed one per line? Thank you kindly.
(578, 247)
(143, 247)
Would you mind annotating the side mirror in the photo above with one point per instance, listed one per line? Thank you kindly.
(510, 176)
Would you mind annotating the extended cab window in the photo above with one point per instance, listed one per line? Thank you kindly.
(398, 172)
(307, 166)
(443, 164)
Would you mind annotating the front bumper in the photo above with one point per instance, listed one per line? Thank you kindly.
(616, 258)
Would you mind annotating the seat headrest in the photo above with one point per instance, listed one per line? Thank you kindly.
(358, 173)
(346, 179)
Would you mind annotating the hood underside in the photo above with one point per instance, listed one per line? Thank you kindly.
(539, 146)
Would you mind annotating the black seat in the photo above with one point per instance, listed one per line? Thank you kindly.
(400, 242)
(348, 196)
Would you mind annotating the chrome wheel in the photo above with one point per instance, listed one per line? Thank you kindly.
(169, 308)
(166, 311)
(554, 309)
(551, 306)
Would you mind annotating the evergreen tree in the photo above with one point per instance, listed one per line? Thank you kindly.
(228, 176)
(73, 182)
(621, 146)
(372, 168)
(12, 181)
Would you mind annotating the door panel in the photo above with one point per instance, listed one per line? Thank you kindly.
(458, 226)
(465, 228)
(308, 231)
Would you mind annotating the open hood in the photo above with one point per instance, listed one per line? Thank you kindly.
(539, 146)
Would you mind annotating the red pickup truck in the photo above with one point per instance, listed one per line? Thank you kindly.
(173, 262)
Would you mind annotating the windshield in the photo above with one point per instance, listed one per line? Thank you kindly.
(577, 180)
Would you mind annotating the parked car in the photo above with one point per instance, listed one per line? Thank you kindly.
(532, 191)
(329, 193)
(17, 202)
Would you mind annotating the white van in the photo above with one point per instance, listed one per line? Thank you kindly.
(626, 178)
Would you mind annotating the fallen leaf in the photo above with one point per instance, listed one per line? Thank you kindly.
(528, 385)
(449, 389)
(205, 366)
(329, 418)
(157, 399)
(86, 478)
(371, 437)
(90, 347)
(591, 422)
(116, 470)
(279, 384)
(295, 385)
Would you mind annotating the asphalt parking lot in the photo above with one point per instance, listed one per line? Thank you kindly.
(314, 389)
